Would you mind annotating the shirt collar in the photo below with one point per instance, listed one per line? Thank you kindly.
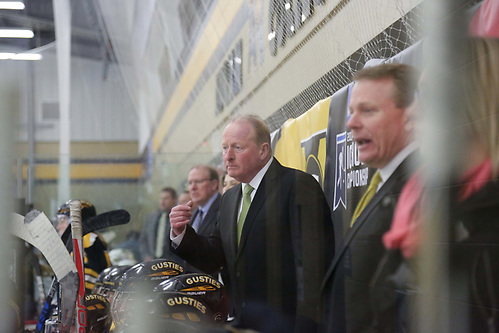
(255, 182)
(206, 207)
(390, 168)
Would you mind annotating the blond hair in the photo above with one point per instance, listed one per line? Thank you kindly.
(481, 84)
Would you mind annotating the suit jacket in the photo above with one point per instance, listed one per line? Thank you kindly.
(286, 242)
(149, 234)
(210, 219)
(356, 297)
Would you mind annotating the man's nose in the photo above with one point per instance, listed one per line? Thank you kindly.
(229, 154)
(353, 122)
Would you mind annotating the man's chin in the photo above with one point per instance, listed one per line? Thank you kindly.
(366, 160)
(233, 174)
(363, 158)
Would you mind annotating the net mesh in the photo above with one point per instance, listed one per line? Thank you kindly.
(403, 33)
(193, 64)
(400, 35)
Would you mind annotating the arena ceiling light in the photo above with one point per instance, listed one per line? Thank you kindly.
(20, 56)
(15, 5)
(16, 33)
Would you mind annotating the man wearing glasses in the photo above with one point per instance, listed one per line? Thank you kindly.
(203, 188)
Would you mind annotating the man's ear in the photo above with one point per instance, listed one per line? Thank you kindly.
(264, 150)
(410, 115)
(408, 124)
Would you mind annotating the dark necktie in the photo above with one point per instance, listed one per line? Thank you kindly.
(197, 221)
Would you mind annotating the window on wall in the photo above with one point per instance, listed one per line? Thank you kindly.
(230, 78)
(192, 15)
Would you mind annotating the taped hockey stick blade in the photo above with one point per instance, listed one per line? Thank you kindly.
(101, 221)
(105, 220)
(45, 238)
(69, 290)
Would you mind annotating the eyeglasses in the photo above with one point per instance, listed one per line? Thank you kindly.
(197, 181)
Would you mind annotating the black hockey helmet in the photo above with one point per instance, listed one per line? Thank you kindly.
(139, 281)
(99, 281)
(87, 209)
(109, 280)
(113, 279)
(168, 312)
(202, 287)
(151, 272)
(174, 305)
(98, 314)
(173, 326)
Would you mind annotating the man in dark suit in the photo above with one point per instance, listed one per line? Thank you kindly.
(157, 227)
(359, 293)
(275, 239)
(203, 189)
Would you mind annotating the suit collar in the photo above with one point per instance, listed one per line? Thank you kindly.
(401, 174)
(267, 185)
(390, 168)
(255, 182)
(209, 215)
(233, 199)
(206, 208)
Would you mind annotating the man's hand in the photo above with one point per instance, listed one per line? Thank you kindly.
(180, 216)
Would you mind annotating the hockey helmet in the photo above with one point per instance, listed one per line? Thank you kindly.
(202, 287)
(98, 314)
(87, 209)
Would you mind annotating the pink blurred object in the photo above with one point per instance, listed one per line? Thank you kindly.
(404, 233)
(485, 22)
(475, 178)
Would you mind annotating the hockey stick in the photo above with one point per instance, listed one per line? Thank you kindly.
(37, 230)
(105, 220)
(76, 232)
(38, 281)
(47, 308)
(101, 221)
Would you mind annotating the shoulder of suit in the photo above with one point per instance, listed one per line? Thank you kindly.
(233, 190)
(291, 172)
(407, 168)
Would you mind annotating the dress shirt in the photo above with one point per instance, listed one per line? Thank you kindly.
(176, 240)
(390, 168)
(255, 182)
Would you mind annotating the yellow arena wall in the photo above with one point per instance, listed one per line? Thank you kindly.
(302, 141)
